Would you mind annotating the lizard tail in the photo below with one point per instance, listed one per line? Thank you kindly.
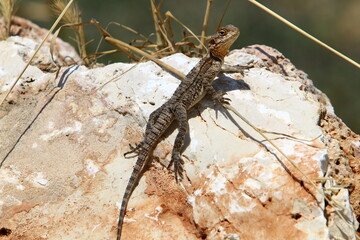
(144, 151)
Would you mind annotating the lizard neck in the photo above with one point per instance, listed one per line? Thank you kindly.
(216, 56)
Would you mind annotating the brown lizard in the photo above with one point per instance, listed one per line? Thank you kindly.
(190, 91)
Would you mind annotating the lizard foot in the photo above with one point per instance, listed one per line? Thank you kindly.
(133, 149)
(219, 98)
(178, 166)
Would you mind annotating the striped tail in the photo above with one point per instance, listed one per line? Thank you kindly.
(144, 152)
(158, 123)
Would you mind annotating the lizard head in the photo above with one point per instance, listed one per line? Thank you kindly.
(222, 40)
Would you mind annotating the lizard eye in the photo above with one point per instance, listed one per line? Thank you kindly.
(222, 32)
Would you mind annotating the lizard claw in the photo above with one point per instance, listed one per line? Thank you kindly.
(178, 166)
(219, 98)
(225, 101)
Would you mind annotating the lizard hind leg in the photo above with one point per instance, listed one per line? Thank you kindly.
(181, 116)
(152, 120)
(149, 126)
(133, 149)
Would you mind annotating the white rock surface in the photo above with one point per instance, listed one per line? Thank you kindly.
(63, 172)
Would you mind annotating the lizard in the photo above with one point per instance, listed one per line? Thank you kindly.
(191, 90)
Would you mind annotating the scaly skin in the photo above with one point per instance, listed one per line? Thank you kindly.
(190, 91)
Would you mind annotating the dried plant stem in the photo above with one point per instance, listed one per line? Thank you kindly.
(121, 45)
(223, 14)
(169, 15)
(73, 17)
(159, 36)
(7, 10)
(304, 33)
(129, 29)
(82, 45)
(331, 202)
(205, 23)
(37, 49)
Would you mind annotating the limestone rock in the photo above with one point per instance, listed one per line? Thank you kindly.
(63, 172)
(27, 36)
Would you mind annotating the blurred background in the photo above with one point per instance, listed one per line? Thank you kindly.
(335, 22)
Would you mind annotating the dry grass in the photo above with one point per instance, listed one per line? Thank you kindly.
(7, 10)
(73, 17)
(164, 45)
(312, 38)
(36, 51)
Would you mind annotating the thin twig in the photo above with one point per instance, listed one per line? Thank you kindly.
(330, 201)
(120, 44)
(305, 33)
(7, 10)
(205, 23)
(155, 14)
(37, 49)
(73, 16)
(223, 14)
(169, 14)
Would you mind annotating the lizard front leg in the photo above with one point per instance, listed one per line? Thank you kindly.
(180, 114)
(216, 96)
(226, 68)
